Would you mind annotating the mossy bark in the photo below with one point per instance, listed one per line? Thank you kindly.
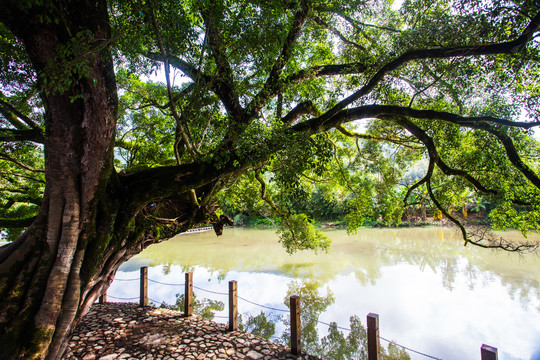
(91, 219)
(88, 224)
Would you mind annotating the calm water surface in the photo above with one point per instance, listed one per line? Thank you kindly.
(432, 294)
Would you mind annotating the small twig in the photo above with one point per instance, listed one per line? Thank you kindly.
(336, 32)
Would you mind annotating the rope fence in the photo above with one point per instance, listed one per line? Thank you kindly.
(409, 349)
(210, 291)
(487, 352)
(162, 283)
(122, 298)
(158, 302)
(263, 306)
(127, 279)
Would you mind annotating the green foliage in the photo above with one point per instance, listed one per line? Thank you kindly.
(525, 219)
(325, 205)
(71, 64)
(313, 301)
(296, 232)
(360, 210)
(240, 70)
(243, 196)
(21, 187)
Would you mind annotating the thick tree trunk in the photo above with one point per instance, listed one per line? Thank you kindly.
(91, 219)
(49, 277)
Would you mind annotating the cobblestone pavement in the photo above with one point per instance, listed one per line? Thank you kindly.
(126, 331)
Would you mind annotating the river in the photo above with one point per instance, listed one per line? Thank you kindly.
(432, 294)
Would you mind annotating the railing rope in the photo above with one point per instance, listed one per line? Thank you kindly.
(123, 298)
(134, 279)
(409, 349)
(263, 306)
(166, 284)
(210, 291)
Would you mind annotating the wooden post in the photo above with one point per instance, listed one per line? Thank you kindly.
(373, 336)
(488, 352)
(233, 305)
(188, 295)
(296, 346)
(103, 298)
(144, 287)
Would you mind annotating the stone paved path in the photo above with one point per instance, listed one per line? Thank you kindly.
(126, 331)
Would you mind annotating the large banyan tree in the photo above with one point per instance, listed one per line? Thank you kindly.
(122, 122)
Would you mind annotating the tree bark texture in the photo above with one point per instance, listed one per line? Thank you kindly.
(43, 284)
(89, 222)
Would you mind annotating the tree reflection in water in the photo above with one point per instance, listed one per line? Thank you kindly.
(378, 262)
(367, 253)
(313, 302)
(262, 325)
(205, 308)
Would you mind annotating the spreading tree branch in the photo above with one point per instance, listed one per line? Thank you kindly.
(399, 115)
(33, 135)
(16, 223)
(324, 70)
(487, 242)
(21, 164)
(6, 108)
(427, 177)
(320, 124)
(266, 198)
(304, 108)
(434, 155)
(514, 157)
(397, 141)
(507, 47)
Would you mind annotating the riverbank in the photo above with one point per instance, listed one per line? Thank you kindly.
(268, 223)
(126, 331)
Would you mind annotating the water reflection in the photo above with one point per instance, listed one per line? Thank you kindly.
(435, 248)
(339, 344)
(314, 301)
(428, 289)
(205, 308)
(262, 325)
